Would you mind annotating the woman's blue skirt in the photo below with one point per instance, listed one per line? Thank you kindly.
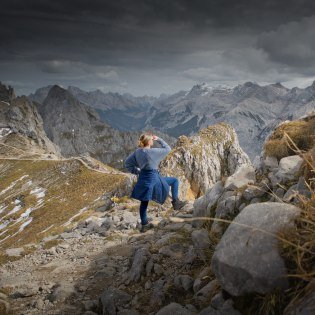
(150, 186)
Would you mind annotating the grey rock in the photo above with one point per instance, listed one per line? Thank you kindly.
(68, 235)
(175, 251)
(244, 175)
(191, 255)
(158, 294)
(140, 258)
(128, 312)
(198, 284)
(200, 239)
(203, 205)
(226, 309)
(112, 298)
(270, 162)
(279, 192)
(206, 293)
(200, 160)
(228, 207)
(149, 267)
(253, 192)
(183, 282)
(173, 309)
(165, 238)
(217, 301)
(255, 200)
(14, 252)
(148, 285)
(61, 291)
(158, 269)
(265, 269)
(289, 167)
(290, 194)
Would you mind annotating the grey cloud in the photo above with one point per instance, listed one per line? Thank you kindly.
(291, 44)
(154, 46)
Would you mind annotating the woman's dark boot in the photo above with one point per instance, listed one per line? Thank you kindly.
(178, 204)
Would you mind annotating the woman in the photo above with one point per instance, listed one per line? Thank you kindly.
(151, 185)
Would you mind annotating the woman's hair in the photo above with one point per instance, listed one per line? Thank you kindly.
(144, 140)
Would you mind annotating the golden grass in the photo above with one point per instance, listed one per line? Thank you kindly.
(302, 133)
(66, 194)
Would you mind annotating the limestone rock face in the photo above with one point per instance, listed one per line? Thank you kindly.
(21, 125)
(244, 239)
(200, 161)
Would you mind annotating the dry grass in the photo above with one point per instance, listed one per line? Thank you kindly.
(302, 133)
(297, 246)
(70, 186)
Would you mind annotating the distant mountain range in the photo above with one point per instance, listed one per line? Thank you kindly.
(252, 110)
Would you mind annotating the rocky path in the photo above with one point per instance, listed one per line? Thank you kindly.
(68, 273)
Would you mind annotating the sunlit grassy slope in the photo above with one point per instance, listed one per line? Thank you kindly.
(40, 198)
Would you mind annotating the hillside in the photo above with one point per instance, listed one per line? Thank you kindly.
(71, 244)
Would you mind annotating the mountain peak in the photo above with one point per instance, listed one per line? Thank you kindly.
(6, 93)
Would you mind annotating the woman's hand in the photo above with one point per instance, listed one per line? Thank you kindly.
(155, 137)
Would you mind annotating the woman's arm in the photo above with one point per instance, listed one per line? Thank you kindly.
(160, 153)
(131, 164)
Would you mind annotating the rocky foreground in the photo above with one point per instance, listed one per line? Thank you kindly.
(185, 265)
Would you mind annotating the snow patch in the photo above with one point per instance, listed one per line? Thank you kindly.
(2, 208)
(47, 229)
(76, 215)
(15, 209)
(26, 223)
(12, 185)
(4, 224)
(27, 212)
(39, 192)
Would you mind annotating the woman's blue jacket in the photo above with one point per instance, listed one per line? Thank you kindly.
(144, 163)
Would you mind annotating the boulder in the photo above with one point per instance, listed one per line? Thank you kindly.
(203, 205)
(289, 167)
(173, 309)
(200, 239)
(111, 299)
(226, 309)
(244, 175)
(183, 282)
(270, 162)
(253, 191)
(14, 252)
(247, 259)
(228, 207)
(138, 265)
(206, 293)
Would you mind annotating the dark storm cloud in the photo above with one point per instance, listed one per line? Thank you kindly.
(140, 45)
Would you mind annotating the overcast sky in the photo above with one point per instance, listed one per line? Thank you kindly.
(155, 46)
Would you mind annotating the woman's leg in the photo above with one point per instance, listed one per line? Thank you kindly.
(174, 183)
(143, 212)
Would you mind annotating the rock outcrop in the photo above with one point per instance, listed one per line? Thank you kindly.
(200, 161)
(21, 127)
